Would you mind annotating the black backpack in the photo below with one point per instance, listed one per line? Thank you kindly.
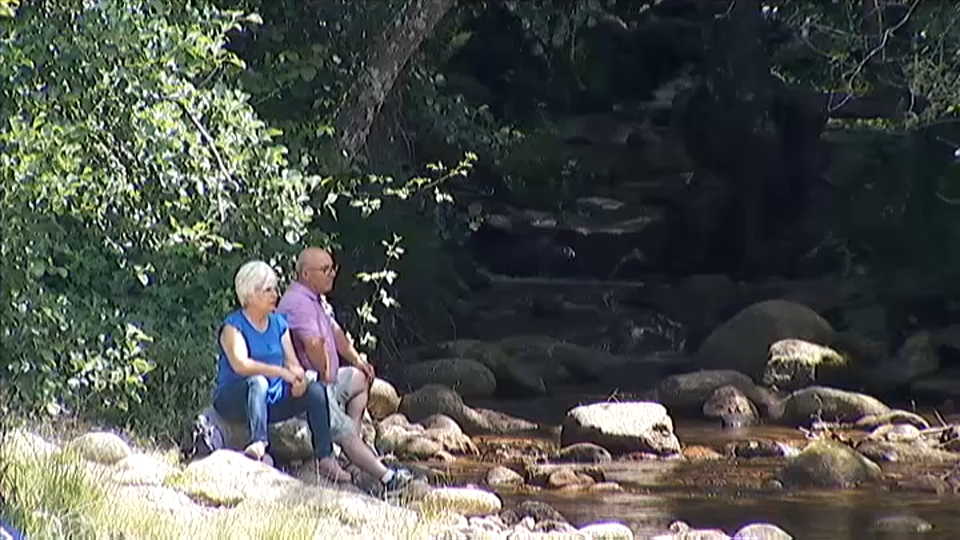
(201, 439)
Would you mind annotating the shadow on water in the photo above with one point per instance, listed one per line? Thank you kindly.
(728, 494)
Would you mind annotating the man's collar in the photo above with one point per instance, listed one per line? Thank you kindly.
(300, 288)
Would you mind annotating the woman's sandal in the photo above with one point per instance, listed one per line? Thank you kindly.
(255, 451)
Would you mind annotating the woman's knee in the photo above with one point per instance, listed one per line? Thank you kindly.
(316, 394)
(257, 384)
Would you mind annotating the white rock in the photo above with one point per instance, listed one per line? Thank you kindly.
(465, 501)
(607, 531)
(100, 447)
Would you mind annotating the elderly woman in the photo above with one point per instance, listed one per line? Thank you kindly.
(259, 378)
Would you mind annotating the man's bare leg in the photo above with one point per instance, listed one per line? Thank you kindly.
(358, 403)
(329, 468)
(361, 456)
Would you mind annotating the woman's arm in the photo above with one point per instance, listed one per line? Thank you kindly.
(290, 354)
(235, 348)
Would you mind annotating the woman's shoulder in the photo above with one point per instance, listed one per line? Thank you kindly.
(234, 318)
(279, 321)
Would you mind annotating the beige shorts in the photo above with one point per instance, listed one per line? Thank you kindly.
(338, 394)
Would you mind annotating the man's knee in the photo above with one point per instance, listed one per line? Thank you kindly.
(356, 381)
(257, 384)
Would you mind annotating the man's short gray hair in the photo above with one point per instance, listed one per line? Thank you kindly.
(251, 278)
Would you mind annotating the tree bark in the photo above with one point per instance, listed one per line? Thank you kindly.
(385, 59)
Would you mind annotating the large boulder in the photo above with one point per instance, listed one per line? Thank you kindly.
(819, 403)
(742, 343)
(559, 362)
(622, 428)
(829, 464)
(468, 377)
(514, 377)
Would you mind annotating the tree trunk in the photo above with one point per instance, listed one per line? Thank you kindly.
(385, 59)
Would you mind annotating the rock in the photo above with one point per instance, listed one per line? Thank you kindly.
(467, 377)
(514, 377)
(828, 405)
(761, 531)
(465, 501)
(500, 476)
(290, 439)
(100, 447)
(901, 525)
(795, 364)
(568, 478)
(559, 361)
(417, 448)
(700, 453)
(896, 416)
(901, 451)
(384, 399)
(743, 342)
(554, 475)
(20, 444)
(607, 531)
(582, 453)
(732, 408)
(141, 469)
(759, 449)
(436, 399)
(538, 511)
(688, 392)
(916, 358)
(895, 433)
(829, 464)
(944, 385)
(622, 428)
(225, 478)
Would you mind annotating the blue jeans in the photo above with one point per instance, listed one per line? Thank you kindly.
(246, 400)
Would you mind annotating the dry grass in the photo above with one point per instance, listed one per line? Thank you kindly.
(60, 496)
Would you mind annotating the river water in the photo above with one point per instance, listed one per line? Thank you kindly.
(728, 494)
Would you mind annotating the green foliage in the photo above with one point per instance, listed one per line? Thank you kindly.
(135, 181)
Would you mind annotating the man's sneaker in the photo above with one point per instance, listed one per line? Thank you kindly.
(401, 478)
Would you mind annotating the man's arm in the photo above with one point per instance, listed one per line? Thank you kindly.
(350, 354)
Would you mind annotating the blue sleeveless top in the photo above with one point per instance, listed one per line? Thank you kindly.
(265, 346)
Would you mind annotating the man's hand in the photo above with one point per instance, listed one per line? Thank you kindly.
(299, 387)
(368, 371)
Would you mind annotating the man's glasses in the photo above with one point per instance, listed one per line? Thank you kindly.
(326, 269)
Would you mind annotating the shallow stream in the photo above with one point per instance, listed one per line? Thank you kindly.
(727, 493)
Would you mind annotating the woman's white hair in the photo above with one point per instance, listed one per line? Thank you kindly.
(251, 278)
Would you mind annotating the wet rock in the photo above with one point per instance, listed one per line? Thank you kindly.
(622, 428)
(915, 359)
(760, 449)
(688, 392)
(514, 377)
(384, 399)
(943, 385)
(761, 531)
(559, 361)
(502, 476)
(896, 416)
(732, 407)
(555, 475)
(900, 451)
(582, 453)
(829, 464)
(607, 531)
(926, 483)
(900, 525)
(100, 447)
(828, 405)
(467, 377)
(567, 477)
(795, 364)
(538, 511)
(465, 501)
(700, 453)
(436, 399)
(743, 342)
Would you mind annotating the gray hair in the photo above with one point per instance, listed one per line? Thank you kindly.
(252, 277)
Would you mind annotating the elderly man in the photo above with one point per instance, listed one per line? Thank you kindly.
(318, 339)
(319, 343)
